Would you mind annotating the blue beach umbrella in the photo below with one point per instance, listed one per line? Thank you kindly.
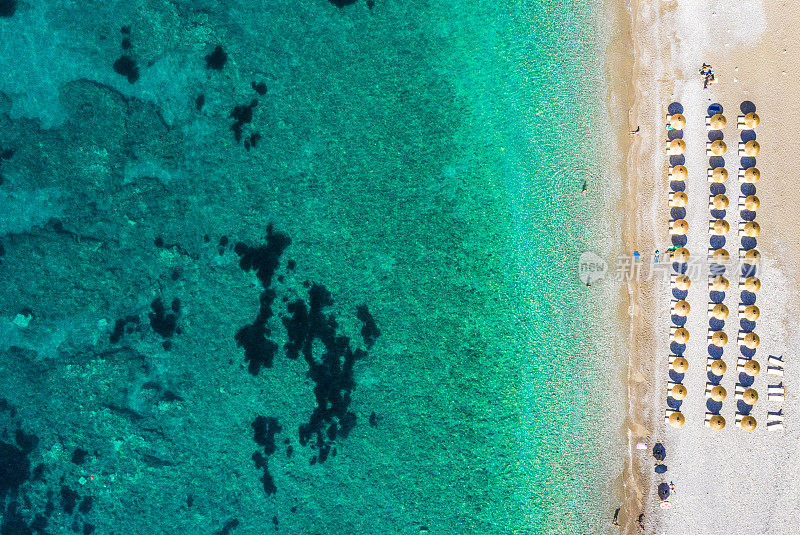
(659, 451)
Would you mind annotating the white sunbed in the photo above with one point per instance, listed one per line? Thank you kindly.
(709, 385)
(775, 420)
(709, 415)
(709, 360)
(740, 124)
(775, 361)
(740, 362)
(739, 391)
(670, 384)
(775, 370)
(741, 203)
(668, 413)
(709, 152)
(671, 177)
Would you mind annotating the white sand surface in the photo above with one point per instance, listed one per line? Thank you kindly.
(726, 482)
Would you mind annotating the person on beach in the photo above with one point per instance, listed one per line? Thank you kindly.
(616, 517)
(705, 69)
(655, 256)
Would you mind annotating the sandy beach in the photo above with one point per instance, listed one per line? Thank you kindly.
(728, 481)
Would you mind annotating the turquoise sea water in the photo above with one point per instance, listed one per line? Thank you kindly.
(420, 166)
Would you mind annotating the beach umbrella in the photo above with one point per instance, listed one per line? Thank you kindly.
(680, 365)
(680, 227)
(718, 148)
(679, 172)
(719, 338)
(721, 227)
(663, 491)
(751, 120)
(718, 368)
(718, 121)
(719, 283)
(721, 256)
(751, 203)
(683, 282)
(681, 308)
(681, 255)
(659, 451)
(720, 311)
(661, 468)
(680, 335)
(751, 368)
(677, 121)
(752, 175)
(752, 257)
(750, 396)
(678, 392)
(718, 393)
(748, 423)
(679, 199)
(720, 201)
(751, 313)
(751, 340)
(751, 229)
(716, 422)
(752, 284)
(676, 147)
(676, 419)
(752, 148)
(719, 174)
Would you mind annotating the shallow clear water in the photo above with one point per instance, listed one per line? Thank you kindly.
(425, 161)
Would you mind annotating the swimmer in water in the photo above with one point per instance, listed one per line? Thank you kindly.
(583, 189)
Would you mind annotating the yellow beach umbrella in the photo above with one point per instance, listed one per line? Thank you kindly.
(721, 256)
(752, 229)
(716, 422)
(720, 201)
(680, 365)
(718, 368)
(681, 308)
(680, 227)
(676, 419)
(720, 311)
(679, 172)
(680, 335)
(676, 147)
(752, 175)
(718, 121)
(680, 255)
(752, 284)
(679, 392)
(721, 227)
(751, 340)
(677, 121)
(749, 396)
(683, 282)
(751, 120)
(751, 313)
(719, 338)
(718, 147)
(719, 174)
(752, 257)
(751, 203)
(679, 199)
(718, 393)
(752, 148)
(748, 423)
(751, 368)
(719, 283)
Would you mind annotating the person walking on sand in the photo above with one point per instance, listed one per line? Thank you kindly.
(616, 516)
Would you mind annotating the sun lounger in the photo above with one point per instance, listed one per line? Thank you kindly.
(709, 415)
(775, 420)
(739, 391)
(673, 278)
(668, 413)
(739, 417)
(775, 370)
(775, 361)
(709, 152)
(670, 384)
(709, 360)
(741, 202)
(777, 398)
(740, 124)
(709, 385)
(741, 227)
(776, 389)
(672, 229)
(740, 362)
(673, 176)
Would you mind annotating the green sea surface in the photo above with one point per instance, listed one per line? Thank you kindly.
(426, 160)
